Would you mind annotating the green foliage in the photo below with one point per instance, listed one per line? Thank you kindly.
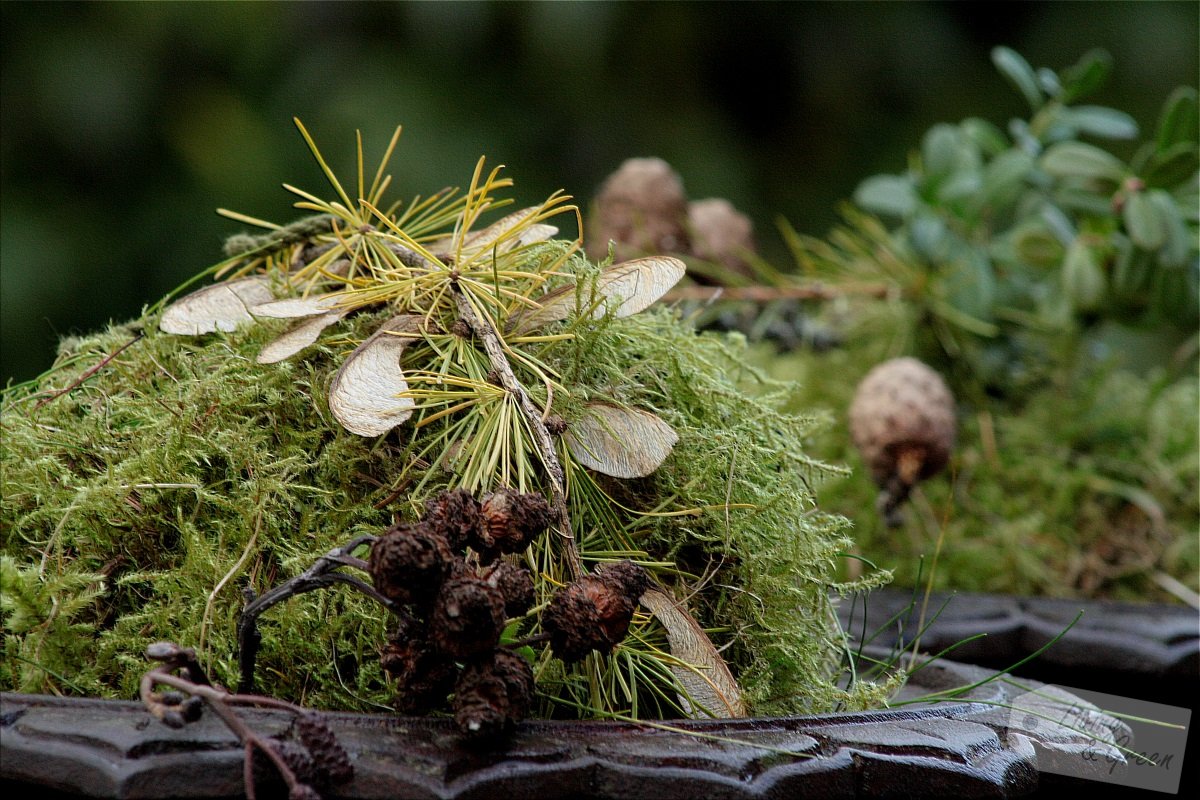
(1054, 283)
(1012, 245)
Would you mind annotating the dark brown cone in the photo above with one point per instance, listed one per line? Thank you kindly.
(511, 520)
(515, 583)
(468, 618)
(423, 675)
(455, 515)
(492, 694)
(594, 612)
(329, 757)
(409, 563)
(294, 754)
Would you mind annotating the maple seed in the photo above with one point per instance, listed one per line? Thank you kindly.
(511, 521)
(594, 612)
(468, 617)
(410, 562)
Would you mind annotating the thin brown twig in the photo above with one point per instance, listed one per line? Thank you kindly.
(88, 372)
(320, 575)
(767, 294)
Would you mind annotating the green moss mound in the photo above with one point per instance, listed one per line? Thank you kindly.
(143, 493)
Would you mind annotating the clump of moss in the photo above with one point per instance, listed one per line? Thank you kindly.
(1089, 488)
(167, 470)
(140, 502)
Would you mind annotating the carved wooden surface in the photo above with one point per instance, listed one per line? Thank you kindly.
(960, 749)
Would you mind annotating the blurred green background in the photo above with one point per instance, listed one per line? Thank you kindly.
(126, 124)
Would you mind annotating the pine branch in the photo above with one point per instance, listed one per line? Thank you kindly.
(483, 328)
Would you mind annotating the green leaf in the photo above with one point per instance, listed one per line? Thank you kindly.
(1171, 167)
(1049, 82)
(990, 139)
(927, 233)
(1180, 119)
(1079, 160)
(1082, 278)
(969, 289)
(1175, 295)
(1019, 73)
(1086, 75)
(940, 150)
(1004, 178)
(1059, 223)
(1176, 242)
(1106, 123)
(886, 194)
(1144, 221)
(1037, 246)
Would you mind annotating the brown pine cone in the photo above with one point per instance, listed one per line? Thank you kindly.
(409, 563)
(642, 208)
(329, 757)
(467, 618)
(594, 612)
(903, 422)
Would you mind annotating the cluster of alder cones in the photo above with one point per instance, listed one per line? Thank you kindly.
(458, 592)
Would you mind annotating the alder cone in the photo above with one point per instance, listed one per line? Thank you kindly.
(455, 515)
(510, 521)
(594, 612)
(409, 563)
(515, 583)
(902, 420)
(424, 675)
(468, 617)
(493, 693)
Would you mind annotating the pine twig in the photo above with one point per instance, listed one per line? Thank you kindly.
(483, 328)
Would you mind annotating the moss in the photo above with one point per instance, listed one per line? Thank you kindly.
(143, 500)
(1089, 487)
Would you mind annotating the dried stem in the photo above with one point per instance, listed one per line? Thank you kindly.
(219, 700)
(89, 372)
(483, 328)
(320, 575)
(767, 294)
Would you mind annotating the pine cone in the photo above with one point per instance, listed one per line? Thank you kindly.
(641, 207)
(329, 757)
(294, 754)
(903, 422)
(594, 612)
(455, 515)
(721, 234)
(511, 520)
(409, 563)
(468, 617)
